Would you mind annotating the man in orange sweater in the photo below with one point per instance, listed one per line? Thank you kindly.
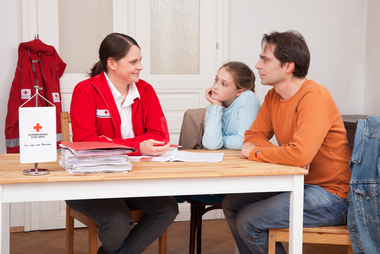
(310, 133)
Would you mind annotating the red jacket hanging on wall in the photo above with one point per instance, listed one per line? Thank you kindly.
(37, 62)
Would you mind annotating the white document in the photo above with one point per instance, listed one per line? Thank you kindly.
(176, 155)
(168, 156)
(198, 157)
(38, 134)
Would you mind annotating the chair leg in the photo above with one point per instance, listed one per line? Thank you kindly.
(271, 241)
(199, 233)
(193, 227)
(162, 243)
(69, 232)
(92, 238)
(198, 213)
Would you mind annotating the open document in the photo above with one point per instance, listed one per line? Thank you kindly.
(175, 155)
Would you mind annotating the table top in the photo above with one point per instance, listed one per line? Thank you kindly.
(11, 170)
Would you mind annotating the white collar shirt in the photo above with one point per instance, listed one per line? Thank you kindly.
(125, 109)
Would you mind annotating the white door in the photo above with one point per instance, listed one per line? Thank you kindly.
(183, 44)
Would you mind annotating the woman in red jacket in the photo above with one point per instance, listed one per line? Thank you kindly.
(115, 105)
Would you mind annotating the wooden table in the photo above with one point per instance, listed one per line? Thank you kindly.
(232, 175)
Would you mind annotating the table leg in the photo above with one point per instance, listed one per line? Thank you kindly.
(1, 216)
(296, 215)
(4, 224)
(5, 236)
(236, 250)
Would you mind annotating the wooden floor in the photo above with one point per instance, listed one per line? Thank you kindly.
(216, 239)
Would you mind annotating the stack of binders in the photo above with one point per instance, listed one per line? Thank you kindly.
(94, 157)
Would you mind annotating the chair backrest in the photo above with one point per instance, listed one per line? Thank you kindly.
(350, 122)
(65, 121)
(192, 129)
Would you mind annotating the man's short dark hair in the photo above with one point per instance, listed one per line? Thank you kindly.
(290, 46)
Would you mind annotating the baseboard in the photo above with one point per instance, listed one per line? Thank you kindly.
(17, 229)
(184, 213)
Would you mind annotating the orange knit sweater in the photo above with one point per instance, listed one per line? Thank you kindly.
(309, 130)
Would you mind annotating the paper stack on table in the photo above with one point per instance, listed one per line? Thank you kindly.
(94, 157)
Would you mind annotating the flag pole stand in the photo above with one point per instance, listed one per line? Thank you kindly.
(36, 171)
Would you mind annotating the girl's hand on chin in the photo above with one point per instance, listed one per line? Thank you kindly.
(210, 99)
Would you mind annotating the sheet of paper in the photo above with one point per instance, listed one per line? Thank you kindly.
(198, 157)
(175, 155)
(168, 156)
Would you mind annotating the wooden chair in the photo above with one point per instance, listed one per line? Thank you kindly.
(335, 235)
(71, 214)
(191, 138)
(197, 210)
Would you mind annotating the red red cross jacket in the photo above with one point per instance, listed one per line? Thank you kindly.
(36, 61)
(94, 113)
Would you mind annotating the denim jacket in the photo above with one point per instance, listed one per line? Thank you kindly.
(364, 193)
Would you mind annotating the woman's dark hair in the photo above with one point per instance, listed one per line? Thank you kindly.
(290, 46)
(116, 46)
(243, 76)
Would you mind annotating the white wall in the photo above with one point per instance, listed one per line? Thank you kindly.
(10, 18)
(334, 31)
(10, 30)
(371, 84)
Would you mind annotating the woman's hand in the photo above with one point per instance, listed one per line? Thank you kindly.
(109, 139)
(210, 99)
(152, 147)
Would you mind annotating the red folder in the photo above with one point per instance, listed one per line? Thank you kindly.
(96, 148)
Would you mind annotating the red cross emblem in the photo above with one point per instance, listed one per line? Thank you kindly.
(25, 92)
(56, 95)
(37, 127)
(106, 112)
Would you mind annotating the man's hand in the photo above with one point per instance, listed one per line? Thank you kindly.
(246, 149)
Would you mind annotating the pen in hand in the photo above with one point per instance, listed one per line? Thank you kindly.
(172, 145)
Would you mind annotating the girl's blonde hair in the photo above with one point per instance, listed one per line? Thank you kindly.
(243, 76)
